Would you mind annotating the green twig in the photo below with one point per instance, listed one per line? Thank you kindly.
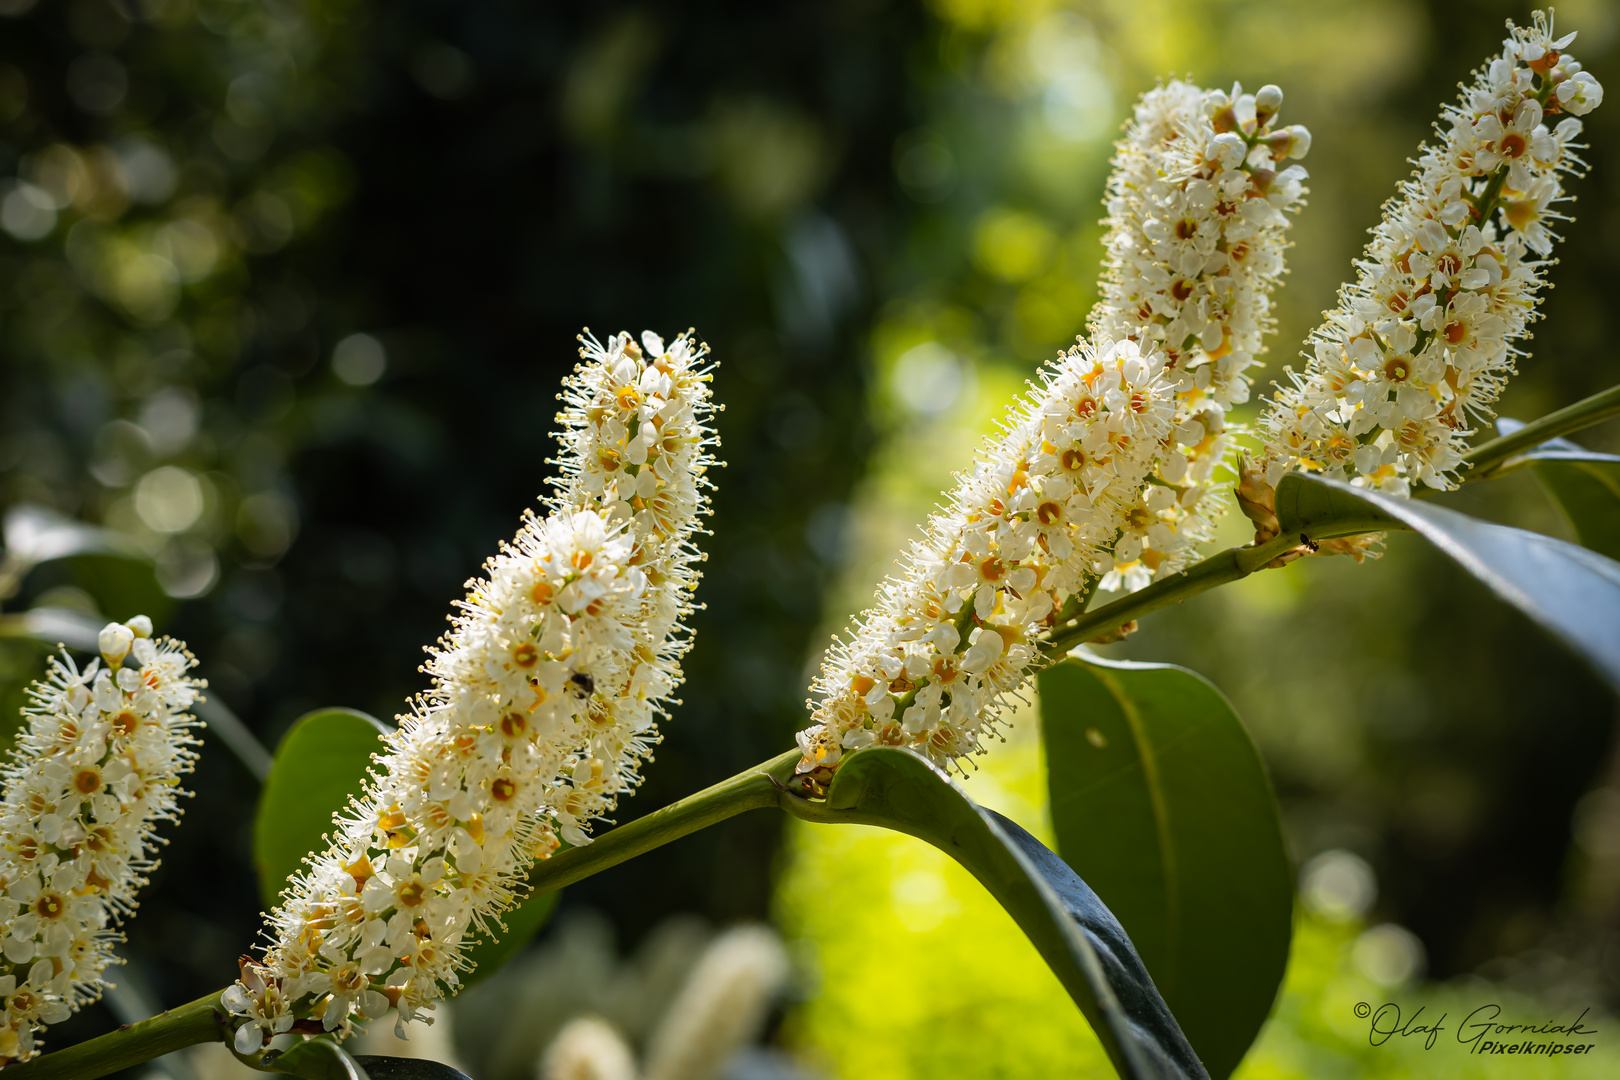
(754, 789)
(1488, 458)
(1219, 569)
(199, 1021)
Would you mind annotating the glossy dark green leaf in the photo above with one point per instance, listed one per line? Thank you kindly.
(1076, 934)
(1582, 483)
(1160, 800)
(1571, 592)
(398, 1068)
(317, 1059)
(321, 761)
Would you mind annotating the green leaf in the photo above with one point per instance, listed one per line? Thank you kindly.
(321, 761)
(398, 1068)
(1075, 933)
(1571, 592)
(317, 1059)
(1489, 457)
(50, 626)
(522, 923)
(1583, 483)
(35, 534)
(1190, 856)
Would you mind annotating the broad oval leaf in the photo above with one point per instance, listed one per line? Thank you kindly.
(321, 761)
(1571, 592)
(1160, 799)
(379, 1067)
(1583, 483)
(1076, 934)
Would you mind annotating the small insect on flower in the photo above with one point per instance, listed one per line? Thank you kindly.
(1422, 343)
(543, 706)
(91, 776)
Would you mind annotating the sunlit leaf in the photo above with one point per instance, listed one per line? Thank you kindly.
(37, 534)
(1571, 592)
(1160, 799)
(1079, 938)
(322, 761)
(1583, 483)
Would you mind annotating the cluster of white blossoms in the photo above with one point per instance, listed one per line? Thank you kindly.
(1045, 511)
(95, 770)
(1421, 345)
(1198, 205)
(544, 700)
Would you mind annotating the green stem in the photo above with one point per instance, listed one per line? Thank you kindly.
(1219, 569)
(200, 1021)
(754, 789)
(1494, 457)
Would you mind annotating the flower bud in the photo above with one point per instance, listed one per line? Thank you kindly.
(114, 642)
(1267, 101)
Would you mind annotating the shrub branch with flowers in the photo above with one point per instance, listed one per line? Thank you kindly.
(1106, 478)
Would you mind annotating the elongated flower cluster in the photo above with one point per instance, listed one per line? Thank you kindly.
(1198, 205)
(544, 700)
(931, 664)
(92, 775)
(1421, 345)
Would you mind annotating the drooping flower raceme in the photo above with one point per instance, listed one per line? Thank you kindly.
(1423, 341)
(931, 664)
(545, 693)
(91, 776)
(1198, 204)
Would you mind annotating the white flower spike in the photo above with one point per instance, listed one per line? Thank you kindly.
(1422, 343)
(1034, 523)
(92, 775)
(1199, 202)
(543, 706)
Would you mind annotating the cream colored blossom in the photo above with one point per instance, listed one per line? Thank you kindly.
(94, 772)
(1029, 528)
(1199, 201)
(544, 700)
(1422, 343)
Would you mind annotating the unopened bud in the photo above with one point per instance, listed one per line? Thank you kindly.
(114, 642)
(1267, 101)
(141, 626)
(1293, 141)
